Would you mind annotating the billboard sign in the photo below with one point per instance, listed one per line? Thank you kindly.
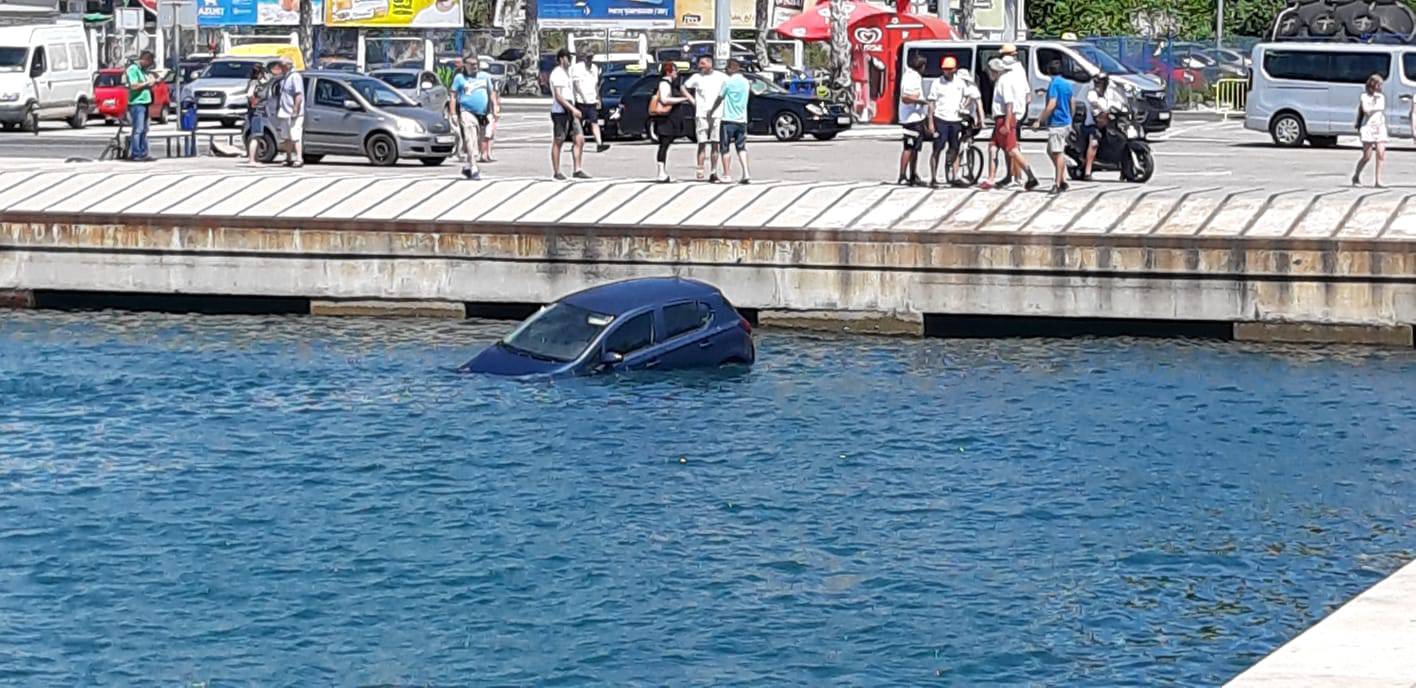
(255, 12)
(608, 14)
(698, 14)
(427, 14)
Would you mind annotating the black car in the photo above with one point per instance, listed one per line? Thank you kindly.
(770, 110)
(613, 86)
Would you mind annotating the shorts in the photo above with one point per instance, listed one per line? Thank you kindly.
(589, 114)
(290, 129)
(563, 126)
(734, 134)
(948, 135)
(1057, 139)
(1005, 138)
(708, 129)
(914, 135)
(472, 119)
(255, 124)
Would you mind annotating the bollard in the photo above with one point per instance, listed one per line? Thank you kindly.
(188, 123)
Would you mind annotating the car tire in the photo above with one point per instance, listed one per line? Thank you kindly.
(1139, 163)
(1322, 141)
(30, 122)
(431, 162)
(1287, 130)
(80, 117)
(312, 158)
(229, 123)
(381, 150)
(267, 151)
(786, 126)
(826, 136)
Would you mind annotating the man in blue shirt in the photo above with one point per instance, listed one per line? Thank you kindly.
(474, 99)
(1058, 117)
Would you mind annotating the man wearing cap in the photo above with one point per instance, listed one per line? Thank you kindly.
(1010, 107)
(914, 116)
(290, 115)
(947, 98)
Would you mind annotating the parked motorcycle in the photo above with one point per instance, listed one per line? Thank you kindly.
(1123, 148)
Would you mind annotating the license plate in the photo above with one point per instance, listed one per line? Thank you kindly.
(446, 139)
(208, 101)
(1164, 115)
(843, 120)
(109, 102)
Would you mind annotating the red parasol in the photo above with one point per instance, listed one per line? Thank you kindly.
(815, 23)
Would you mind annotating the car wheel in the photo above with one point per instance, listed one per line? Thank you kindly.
(229, 123)
(382, 150)
(786, 126)
(431, 162)
(312, 158)
(1287, 130)
(161, 116)
(30, 122)
(825, 137)
(266, 149)
(1139, 163)
(1322, 141)
(80, 117)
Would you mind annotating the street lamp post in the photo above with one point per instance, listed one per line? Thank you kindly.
(722, 31)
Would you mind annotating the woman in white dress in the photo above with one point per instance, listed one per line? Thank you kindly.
(1372, 129)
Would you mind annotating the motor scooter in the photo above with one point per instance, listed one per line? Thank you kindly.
(1122, 148)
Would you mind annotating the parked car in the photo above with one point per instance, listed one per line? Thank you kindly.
(771, 110)
(613, 86)
(1232, 58)
(110, 97)
(659, 323)
(1308, 91)
(46, 73)
(419, 84)
(353, 114)
(220, 92)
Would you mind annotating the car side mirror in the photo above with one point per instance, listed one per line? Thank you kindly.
(612, 358)
(352, 106)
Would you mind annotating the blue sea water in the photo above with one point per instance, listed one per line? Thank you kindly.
(263, 501)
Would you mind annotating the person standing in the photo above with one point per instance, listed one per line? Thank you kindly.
(290, 113)
(914, 114)
(139, 84)
(1010, 108)
(473, 99)
(1057, 116)
(586, 77)
(736, 91)
(1371, 114)
(661, 106)
(707, 87)
(565, 117)
(946, 117)
(255, 112)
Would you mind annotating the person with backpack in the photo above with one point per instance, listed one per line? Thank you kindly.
(661, 107)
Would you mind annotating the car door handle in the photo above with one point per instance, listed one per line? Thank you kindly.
(652, 364)
(705, 344)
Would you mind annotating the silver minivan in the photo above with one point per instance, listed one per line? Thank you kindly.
(1080, 62)
(353, 114)
(1308, 91)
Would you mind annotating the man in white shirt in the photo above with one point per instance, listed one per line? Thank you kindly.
(565, 117)
(951, 98)
(1101, 100)
(586, 78)
(1011, 93)
(707, 86)
(914, 117)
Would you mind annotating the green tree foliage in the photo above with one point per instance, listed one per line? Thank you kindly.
(1192, 19)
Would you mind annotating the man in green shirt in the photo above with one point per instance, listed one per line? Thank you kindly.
(139, 84)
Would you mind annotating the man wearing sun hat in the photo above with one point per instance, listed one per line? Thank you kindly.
(946, 108)
(1011, 93)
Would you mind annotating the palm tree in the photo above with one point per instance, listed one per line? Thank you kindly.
(840, 57)
(530, 38)
(764, 24)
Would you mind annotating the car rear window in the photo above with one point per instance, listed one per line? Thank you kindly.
(108, 80)
(399, 79)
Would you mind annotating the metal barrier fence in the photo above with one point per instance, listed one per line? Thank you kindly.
(1231, 95)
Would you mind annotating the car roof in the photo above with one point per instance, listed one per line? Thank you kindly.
(618, 298)
(398, 70)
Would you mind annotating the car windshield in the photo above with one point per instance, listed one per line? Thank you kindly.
(12, 59)
(379, 94)
(108, 80)
(559, 332)
(1102, 59)
(229, 70)
(398, 79)
(761, 86)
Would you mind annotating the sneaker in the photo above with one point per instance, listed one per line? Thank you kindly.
(602, 148)
(712, 179)
(467, 171)
(1085, 178)
(903, 181)
(725, 180)
(1030, 184)
(558, 177)
(476, 176)
(1066, 186)
(580, 174)
(664, 179)
(1054, 190)
(959, 184)
(1003, 183)
(701, 177)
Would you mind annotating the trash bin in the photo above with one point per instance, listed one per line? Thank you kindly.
(188, 122)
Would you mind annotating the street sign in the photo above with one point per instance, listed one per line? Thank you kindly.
(130, 19)
(186, 11)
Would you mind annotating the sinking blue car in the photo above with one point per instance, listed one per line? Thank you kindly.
(659, 323)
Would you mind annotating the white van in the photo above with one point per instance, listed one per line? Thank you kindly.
(1308, 91)
(1080, 62)
(46, 73)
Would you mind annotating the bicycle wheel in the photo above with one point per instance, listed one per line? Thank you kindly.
(973, 165)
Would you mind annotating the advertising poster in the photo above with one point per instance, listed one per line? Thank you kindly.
(394, 13)
(255, 12)
(606, 14)
(698, 14)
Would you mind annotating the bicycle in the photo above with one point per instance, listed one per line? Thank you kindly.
(115, 150)
(971, 167)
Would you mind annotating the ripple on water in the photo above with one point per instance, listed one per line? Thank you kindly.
(277, 500)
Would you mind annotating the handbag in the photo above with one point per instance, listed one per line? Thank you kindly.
(656, 108)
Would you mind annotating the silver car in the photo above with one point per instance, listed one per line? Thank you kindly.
(419, 84)
(352, 114)
(220, 91)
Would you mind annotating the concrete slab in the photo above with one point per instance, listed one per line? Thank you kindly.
(893, 208)
(279, 202)
(34, 185)
(1147, 213)
(131, 192)
(1063, 211)
(809, 205)
(1326, 215)
(340, 190)
(1191, 214)
(398, 203)
(726, 203)
(77, 186)
(605, 203)
(485, 198)
(1372, 215)
(935, 208)
(1281, 216)
(976, 211)
(757, 213)
(565, 202)
(248, 197)
(1017, 212)
(1110, 209)
(212, 190)
(645, 205)
(1237, 214)
(524, 200)
(851, 206)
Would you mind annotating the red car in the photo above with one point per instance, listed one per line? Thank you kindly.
(110, 97)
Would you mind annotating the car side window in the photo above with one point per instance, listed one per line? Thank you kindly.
(331, 94)
(680, 318)
(78, 56)
(38, 64)
(58, 57)
(1408, 66)
(631, 335)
